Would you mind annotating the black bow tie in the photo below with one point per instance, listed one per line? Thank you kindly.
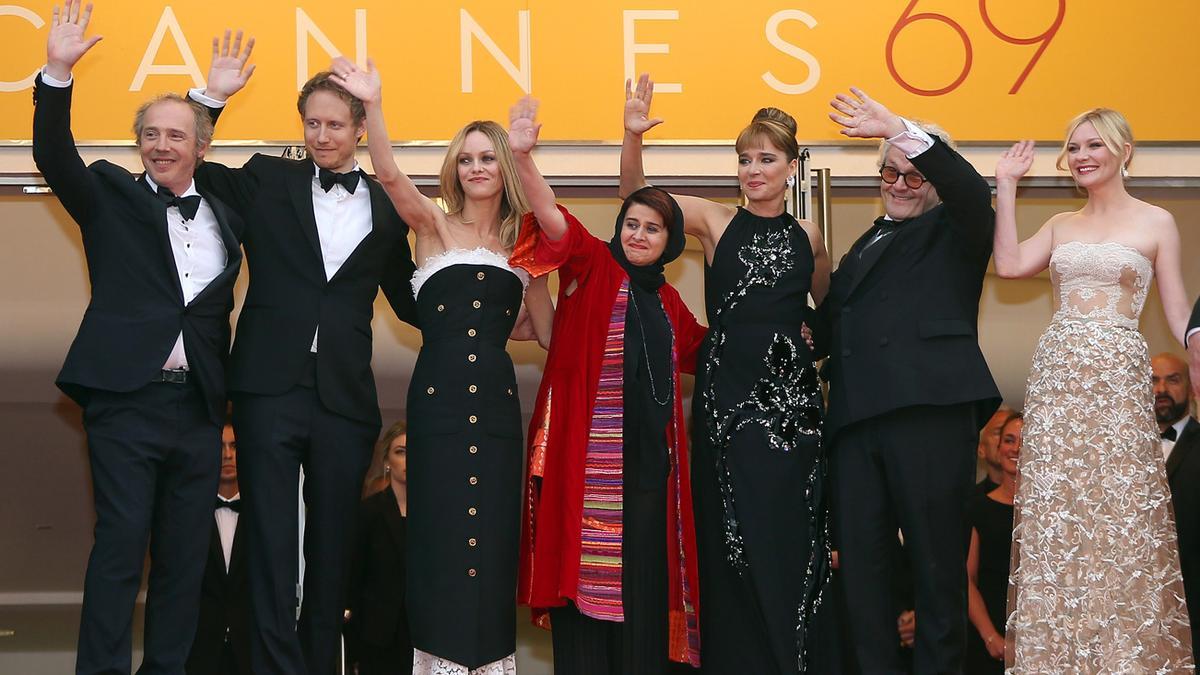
(234, 505)
(1170, 434)
(348, 180)
(188, 206)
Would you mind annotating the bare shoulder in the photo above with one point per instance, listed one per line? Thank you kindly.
(815, 235)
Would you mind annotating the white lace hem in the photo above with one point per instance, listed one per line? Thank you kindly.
(461, 256)
(425, 663)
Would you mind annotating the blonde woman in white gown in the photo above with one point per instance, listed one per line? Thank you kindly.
(1095, 585)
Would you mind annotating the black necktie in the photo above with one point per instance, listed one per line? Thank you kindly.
(188, 206)
(1170, 434)
(234, 505)
(348, 180)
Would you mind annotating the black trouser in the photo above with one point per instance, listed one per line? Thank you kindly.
(911, 469)
(155, 456)
(276, 436)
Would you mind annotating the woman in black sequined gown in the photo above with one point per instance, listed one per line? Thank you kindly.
(758, 469)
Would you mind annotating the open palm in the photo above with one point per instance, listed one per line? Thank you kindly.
(1015, 161)
(68, 41)
(365, 85)
(637, 106)
(863, 117)
(523, 128)
(228, 73)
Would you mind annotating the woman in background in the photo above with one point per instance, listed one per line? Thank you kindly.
(377, 624)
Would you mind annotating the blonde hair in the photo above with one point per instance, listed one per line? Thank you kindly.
(1112, 128)
(774, 126)
(512, 205)
(928, 127)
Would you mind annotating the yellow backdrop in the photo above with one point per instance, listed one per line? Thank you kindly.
(986, 70)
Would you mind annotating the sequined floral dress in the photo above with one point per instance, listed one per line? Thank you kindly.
(758, 467)
(1095, 586)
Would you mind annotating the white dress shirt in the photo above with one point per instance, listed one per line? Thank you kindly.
(343, 219)
(200, 256)
(227, 521)
(1168, 446)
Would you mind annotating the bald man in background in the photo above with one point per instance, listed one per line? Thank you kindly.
(1181, 449)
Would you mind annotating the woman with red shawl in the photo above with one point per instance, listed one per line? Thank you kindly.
(608, 550)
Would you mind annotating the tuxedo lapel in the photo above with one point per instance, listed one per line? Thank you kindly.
(164, 238)
(869, 256)
(216, 556)
(237, 553)
(380, 202)
(1184, 445)
(300, 190)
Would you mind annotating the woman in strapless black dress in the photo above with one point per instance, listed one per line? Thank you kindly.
(465, 434)
(758, 471)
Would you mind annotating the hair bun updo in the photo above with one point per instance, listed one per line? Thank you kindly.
(773, 126)
(777, 116)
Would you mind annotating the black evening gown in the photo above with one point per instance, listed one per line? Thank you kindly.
(994, 523)
(464, 464)
(758, 468)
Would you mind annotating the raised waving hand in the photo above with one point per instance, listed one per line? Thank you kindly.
(421, 214)
(523, 129)
(1015, 162)
(365, 85)
(637, 106)
(228, 72)
(68, 41)
(863, 117)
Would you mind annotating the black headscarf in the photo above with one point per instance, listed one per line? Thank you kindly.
(649, 277)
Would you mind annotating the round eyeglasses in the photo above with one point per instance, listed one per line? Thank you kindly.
(889, 175)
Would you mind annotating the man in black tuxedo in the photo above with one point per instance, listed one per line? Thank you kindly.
(147, 365)
(909, 388)
(222, 644)
(1181, 451)
(321, 240)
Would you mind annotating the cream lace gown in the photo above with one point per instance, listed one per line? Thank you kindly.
(1095, 586)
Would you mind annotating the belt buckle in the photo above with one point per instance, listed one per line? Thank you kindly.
(174, 376)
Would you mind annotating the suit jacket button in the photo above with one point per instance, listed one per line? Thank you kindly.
(473, 449)
(430, 391)
(471, 358)
(480, 276)
(473, 480)
(472, 511)
(470, 332)
(508, 312)
(472, 419)
(472, 389)
(471, 542)
(477, 304)
(471, 572)
(441, 308)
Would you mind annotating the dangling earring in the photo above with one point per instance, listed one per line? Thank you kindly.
(1124, 171)
(387, 470)
(791, 181)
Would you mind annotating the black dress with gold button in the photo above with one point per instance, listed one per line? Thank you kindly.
(464, 460)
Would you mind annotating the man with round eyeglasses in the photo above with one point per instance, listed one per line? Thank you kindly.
(909, 387)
